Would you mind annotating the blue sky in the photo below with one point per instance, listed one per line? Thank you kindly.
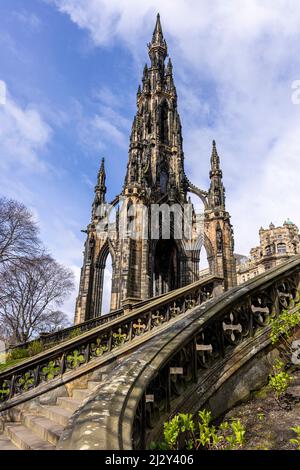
(72, 68)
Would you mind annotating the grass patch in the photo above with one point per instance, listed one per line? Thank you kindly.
(9, 364)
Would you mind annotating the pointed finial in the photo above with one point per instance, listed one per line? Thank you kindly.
(169, 67)
(158, 42)
(157, 33)
(215, 159)
(145, 72)
(214, 155)
(101, 177)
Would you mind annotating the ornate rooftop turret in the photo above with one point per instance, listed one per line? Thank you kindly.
(100, 190)
(216, 195)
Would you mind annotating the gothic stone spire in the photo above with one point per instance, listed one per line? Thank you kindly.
(158, 50)
(216, 195)
(155, 154)
(100, 189)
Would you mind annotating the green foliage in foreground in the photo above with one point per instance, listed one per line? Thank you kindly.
(279, 380)
(296, 440)
(182, 432)
(283, 326)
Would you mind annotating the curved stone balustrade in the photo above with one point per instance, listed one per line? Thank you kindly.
(180, 369)
(75, 357)
(50, 339)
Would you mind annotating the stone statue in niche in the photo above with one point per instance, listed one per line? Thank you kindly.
(90, 248)
(219, 240)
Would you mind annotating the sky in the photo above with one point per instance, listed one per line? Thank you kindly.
(71, 69)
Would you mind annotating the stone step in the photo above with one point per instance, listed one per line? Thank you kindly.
(68, 403)
(44, 428)
(57, 414)
(25, 439)
(80, 394)
(6, 444)
(93, 384)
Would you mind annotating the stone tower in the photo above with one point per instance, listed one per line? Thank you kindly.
(156, 237)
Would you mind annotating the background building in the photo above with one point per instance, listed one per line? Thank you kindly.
(277, 244)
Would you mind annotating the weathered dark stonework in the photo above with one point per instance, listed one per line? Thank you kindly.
(147, 267)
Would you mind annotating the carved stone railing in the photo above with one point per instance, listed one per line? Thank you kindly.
(181, 369)
(74, 354)
(50, 339)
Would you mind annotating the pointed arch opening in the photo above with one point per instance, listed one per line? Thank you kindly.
(164, 122)
(166, 269)
(102, 282)
(107, 285)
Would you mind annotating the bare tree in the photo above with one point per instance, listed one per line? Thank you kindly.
(18, 232)
(31, 291)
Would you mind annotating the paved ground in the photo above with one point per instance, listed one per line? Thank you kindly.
(267, 424)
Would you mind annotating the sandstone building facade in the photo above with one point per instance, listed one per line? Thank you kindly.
(277, 244)
(144, 263)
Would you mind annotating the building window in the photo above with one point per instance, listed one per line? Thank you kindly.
(281, 248)
(268, 250)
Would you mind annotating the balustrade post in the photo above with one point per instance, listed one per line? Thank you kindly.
(37, 376)
(130, 330)
(143, 422)
(87, 352)
(251, 327)
(63, 364)
(194, 358)
(149, 321)
(168, 390)
(12, 386)
(109, 344)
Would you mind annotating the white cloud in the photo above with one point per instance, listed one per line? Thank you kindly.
(234, 63)
(23, 135)
(28, 19)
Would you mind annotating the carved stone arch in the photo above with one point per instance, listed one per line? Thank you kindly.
(163, 251)
(99, 269)
(200, 193)
(201, 241)
(163, 121)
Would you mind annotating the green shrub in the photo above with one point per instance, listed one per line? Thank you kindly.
(296, 440)
(279, 380)
(182, 432)
(284, 324)
(17, 353)
(34, 348)
(74, 333)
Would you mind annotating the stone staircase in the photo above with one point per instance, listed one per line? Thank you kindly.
(41, 428)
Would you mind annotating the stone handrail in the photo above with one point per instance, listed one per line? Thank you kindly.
(48, 339)
(185, 365)
(74, 354)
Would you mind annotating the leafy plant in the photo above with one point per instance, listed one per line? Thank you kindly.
(296, 440)
(26, 381)
(75, 332)
(260, 416)
(4, 392)
(182, 432)
(279, 380)
(35, 348)
(17, 353)
(237, 438)
(283, 326)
